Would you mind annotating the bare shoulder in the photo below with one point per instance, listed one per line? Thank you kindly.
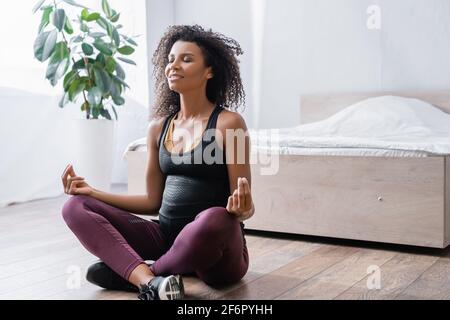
(230, 120)
(154, 130)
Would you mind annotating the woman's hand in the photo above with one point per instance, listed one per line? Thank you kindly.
(73, 184)
(240, 203)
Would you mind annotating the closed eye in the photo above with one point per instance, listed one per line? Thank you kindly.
(187, 60)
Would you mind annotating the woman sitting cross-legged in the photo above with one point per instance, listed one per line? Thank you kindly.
(197, 179)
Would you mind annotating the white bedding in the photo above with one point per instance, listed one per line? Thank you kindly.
(382, 126)
(141, 145)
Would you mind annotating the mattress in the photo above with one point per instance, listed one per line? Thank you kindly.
(140, 145)
(386, 126)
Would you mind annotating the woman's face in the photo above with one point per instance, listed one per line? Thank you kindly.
(186, 70)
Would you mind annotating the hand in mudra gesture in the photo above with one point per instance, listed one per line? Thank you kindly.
(73, 184)
(240, 203)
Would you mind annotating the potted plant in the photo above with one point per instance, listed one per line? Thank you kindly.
(85, 53)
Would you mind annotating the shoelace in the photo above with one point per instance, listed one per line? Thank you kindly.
(148, 292)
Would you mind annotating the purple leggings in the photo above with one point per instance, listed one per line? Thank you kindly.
(212, 246)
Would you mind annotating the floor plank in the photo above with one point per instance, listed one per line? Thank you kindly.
(396, 275)
(433, 283)
(337, 278)
(42, 259)
(275, 282)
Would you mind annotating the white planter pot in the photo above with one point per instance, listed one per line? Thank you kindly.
(94, 148)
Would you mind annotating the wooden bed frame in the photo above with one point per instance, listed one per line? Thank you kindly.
(402, 200)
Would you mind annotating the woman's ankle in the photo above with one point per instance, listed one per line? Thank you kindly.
(141, 275)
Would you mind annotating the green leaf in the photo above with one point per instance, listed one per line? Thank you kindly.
(61, 51)
(103, 47)
(118, 100)
(115, 17)
(115, 113)
(92, 17)
(75, 89)
(105, 114)
(58, 64)
(68, 27)
(56, 70)
(118, 80)
(84, 106)
(89, 81)
(102, 80)
(45, 44)
(87, 49)
(116, 89)
(116, 37)
(94, 96)
(120, 72)
(126, 50)
(101, 60)
(106, 8)
(73, 3)
(63, 101)
(95, 112)
(84, 14)
(68, 79)
(129, 40)
(77, 39)
(110, 64)
(126, 60)
(45, 20)
(102, 22)
(80, 64)
(84, 27)
(59, 19)
(97, 34)
(72, 88)
(38, 5)
(85, 79)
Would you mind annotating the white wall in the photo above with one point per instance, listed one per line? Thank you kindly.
(232, 18)
(160, 15)
(307, 46)
(36, 136)
(314, 46)
(325, 46)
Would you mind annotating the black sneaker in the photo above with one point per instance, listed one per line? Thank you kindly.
(103, 276)
(163, 288)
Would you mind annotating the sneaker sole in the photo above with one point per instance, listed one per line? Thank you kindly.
(172, 288)
(181, 284)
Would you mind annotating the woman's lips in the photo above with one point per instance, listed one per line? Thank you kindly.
(175, 78)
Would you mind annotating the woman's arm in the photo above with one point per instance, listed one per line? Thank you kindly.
(236, 142)
(147, 204)
(139, 204)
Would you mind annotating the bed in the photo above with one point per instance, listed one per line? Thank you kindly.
(365, 187)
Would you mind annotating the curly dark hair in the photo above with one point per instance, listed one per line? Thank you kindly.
(224, 89)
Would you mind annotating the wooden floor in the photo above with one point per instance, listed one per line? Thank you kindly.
(41, 259)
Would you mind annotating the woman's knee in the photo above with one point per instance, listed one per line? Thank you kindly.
(216, 220)
(73, 210)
